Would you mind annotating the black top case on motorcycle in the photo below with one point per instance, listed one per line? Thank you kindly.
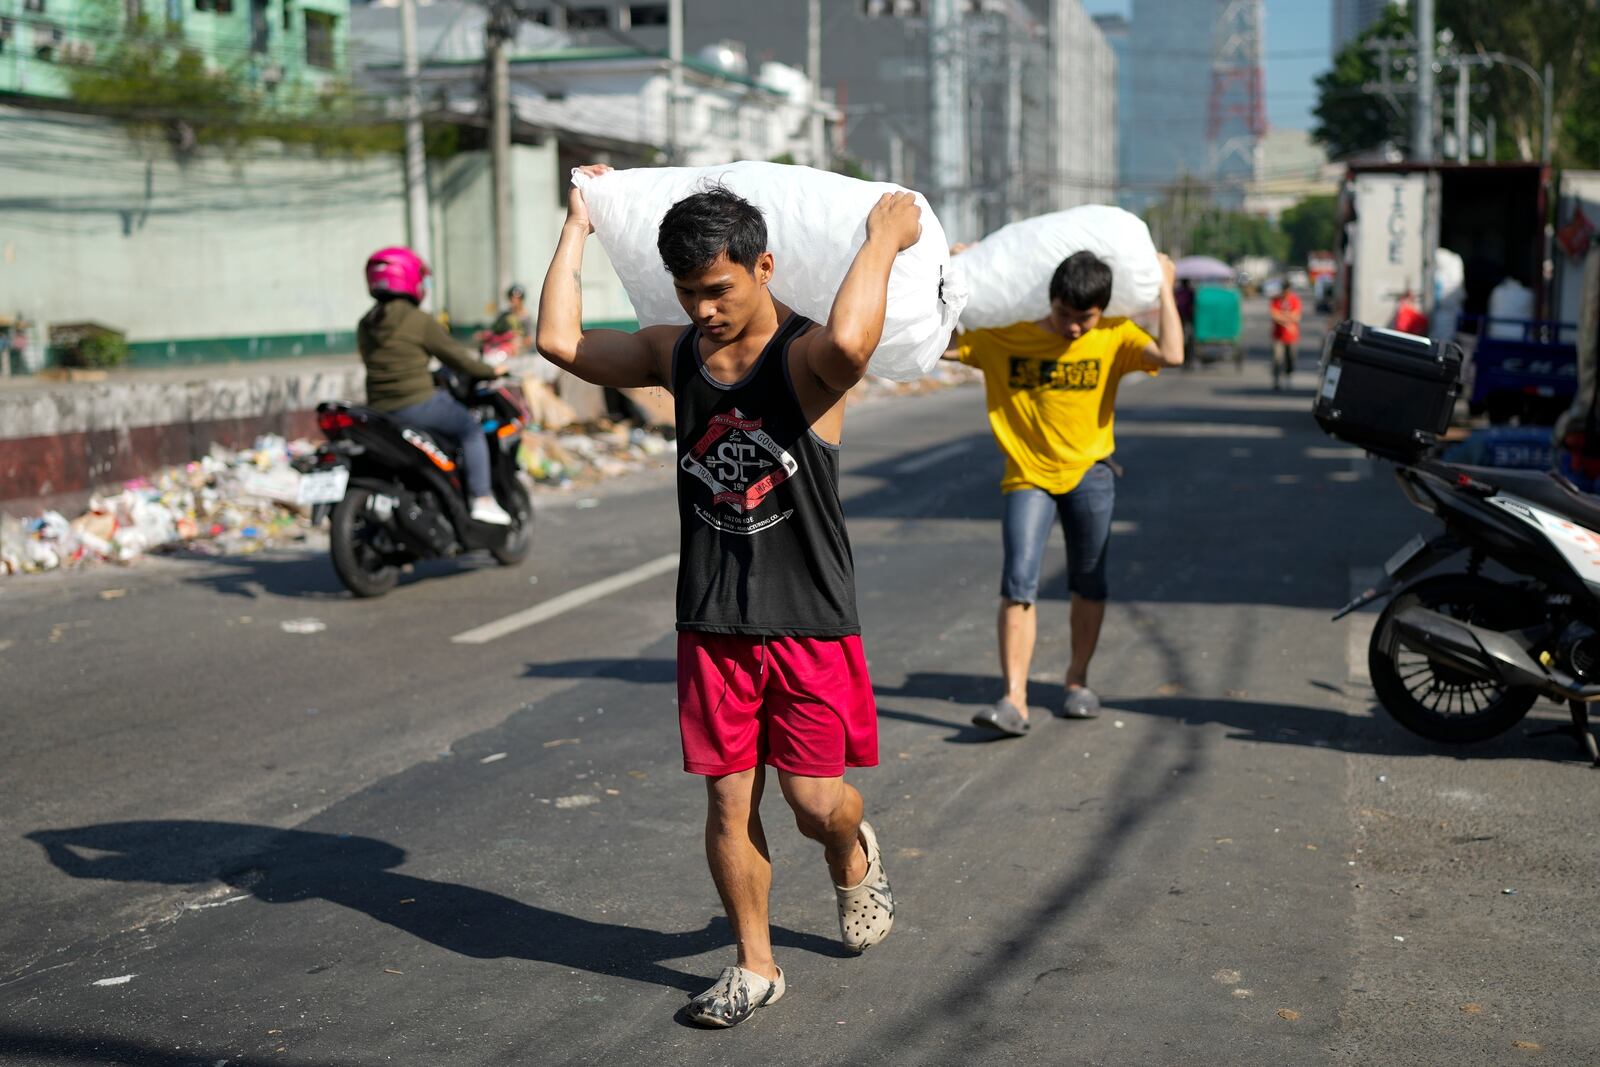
(1388, 392)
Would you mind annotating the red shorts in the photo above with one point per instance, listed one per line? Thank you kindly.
(801, 704)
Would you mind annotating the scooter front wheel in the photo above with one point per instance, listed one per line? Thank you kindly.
(1439, 702)
(519, 542)
(361, 546)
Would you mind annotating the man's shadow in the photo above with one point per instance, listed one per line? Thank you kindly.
(285, 866)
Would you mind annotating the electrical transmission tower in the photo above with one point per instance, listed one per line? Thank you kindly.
(1236, 116)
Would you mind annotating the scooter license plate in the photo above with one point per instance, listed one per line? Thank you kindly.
(1407, 553)
(324, 487)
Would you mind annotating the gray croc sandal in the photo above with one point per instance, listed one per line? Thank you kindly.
(1003, 717)
(1081, 703)
(734, 998)
(866, 910)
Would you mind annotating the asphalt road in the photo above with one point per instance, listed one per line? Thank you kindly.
(221, 841)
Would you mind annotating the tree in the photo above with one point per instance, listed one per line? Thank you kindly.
(1232, 235)
(1350, 118)
(1564, 33)
(1188, 220)
(1310, 226)
(1579, 136)
(164, 89)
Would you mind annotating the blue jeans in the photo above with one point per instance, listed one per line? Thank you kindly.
(442, 414)
(1085, 515)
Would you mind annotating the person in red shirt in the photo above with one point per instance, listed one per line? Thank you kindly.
(1285, 309)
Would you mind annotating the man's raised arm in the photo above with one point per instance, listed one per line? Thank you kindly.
(838, 353)
(602, 357)
(1167, 349)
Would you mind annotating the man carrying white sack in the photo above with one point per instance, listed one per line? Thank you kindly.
(770, 664)
(1051, 387)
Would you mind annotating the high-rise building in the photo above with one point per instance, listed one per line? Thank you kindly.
(1195, 107)
(1169, 50)
(1116, 30)
(1040, 84)
(1351, 17)
(1084, 111)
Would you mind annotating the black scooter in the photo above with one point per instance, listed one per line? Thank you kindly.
(1462, 656)
(398, 493)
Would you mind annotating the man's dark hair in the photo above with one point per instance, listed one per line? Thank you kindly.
(1082, 282)
(699, 228)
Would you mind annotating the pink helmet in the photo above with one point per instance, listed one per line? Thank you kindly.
(396, 272)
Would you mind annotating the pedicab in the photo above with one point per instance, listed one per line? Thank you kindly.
(1218, 329)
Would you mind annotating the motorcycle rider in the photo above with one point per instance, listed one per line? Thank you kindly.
(396, 338)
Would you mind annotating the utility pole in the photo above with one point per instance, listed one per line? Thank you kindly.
(674, 78)
(947, 70)
(1422, 117)
(1013, 205)
(819, 148)
(500, 29)
(416, 156)
(1547, 89)
(1463, 127)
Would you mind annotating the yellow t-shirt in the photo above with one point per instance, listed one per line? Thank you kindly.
(1051, 402)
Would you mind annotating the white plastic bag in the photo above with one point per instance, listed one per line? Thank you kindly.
(816, 223)
(1007, 274)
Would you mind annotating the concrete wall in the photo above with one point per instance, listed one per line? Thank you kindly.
(538, 206)
(96, 227)
(59, 443)
(222, 256)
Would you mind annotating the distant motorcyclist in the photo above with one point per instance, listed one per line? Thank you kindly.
(511, 334)
(396, 338)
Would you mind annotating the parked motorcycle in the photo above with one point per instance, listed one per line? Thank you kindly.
(397, 493)
(1461, 655)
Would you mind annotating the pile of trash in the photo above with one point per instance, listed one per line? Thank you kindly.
(565, 459)
(231, 502)
(944, 375)
(235, 502)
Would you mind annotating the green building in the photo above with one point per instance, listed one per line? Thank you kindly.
(273, 42)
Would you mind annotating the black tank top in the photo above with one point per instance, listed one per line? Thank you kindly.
(764, 550)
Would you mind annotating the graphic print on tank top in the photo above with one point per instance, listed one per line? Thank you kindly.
(741, 464)
(764, 549)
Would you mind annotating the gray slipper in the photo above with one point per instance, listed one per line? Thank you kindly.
(1004, 717)
(1081, 703)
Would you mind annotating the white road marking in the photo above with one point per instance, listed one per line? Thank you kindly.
(566, 602)
(934, 458)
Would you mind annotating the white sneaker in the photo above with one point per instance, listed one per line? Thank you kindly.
(489, 510)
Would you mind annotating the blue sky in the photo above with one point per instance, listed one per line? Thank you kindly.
(1296, 46)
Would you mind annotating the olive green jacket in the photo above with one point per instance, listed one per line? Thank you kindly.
(396, 339)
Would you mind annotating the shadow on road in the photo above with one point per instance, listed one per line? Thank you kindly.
(287, 866)
(1247, 720)
(308, 577)
(1303, 388)
(643, 670)
(78, 1048)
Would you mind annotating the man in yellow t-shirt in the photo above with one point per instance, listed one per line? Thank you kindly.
(1052, 392)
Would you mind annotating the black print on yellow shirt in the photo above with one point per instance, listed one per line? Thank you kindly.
(1054, 373)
